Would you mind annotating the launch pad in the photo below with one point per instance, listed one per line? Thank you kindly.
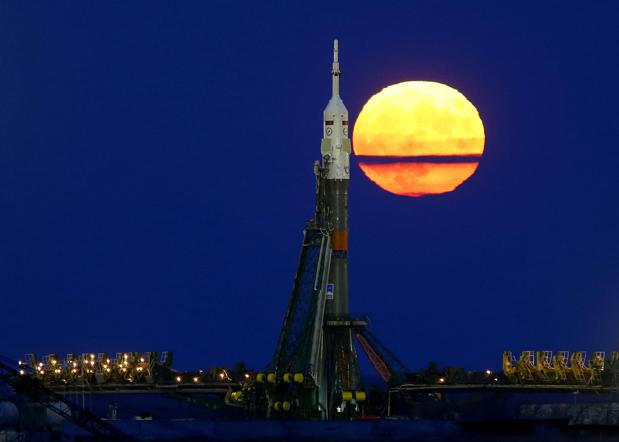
(314, 374)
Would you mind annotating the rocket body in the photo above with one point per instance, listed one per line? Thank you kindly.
(340, 368)
(317, 335)
(335, 150)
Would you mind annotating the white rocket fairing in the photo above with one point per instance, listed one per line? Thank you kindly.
(335, 145)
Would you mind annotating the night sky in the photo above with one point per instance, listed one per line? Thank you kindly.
(156, 174)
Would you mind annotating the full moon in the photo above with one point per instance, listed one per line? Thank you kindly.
(418, 138)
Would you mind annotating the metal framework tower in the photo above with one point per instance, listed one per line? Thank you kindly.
(316, 338)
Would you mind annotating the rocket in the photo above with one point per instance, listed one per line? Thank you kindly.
(317, 334)
(340, 370)
(335, 150)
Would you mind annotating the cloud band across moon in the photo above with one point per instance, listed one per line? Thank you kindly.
(366, 159)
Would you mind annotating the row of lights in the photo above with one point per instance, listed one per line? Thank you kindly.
(442, 379)
(222, 376)
(87, 365)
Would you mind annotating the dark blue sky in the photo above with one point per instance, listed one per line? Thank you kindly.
(156, 174)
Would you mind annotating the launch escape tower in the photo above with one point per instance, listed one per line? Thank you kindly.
(316, 338)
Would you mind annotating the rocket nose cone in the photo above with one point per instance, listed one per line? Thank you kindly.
(336, 105)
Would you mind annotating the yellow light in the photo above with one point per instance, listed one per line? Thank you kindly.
(53, 362)
(141, 359)
(299, 378)
(196, 379)
(488, 372)
(74, 371)
(22, 372)
(178, 378)
(108, 370)
(140, 368)
(75, 364)
(40, 364)
(126, 356)
(441, 380)
(246, 375)
(92, 356)
(221, 375)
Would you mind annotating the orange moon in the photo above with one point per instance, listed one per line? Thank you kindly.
(419, 138)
